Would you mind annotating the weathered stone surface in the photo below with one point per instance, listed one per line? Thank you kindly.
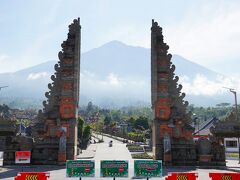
(204, 146)
(170, 117)
(60, 109)
(229, 127)
(172, 123)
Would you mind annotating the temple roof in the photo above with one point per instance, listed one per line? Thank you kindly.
(229, 127)
(7, 127)
(204, 128)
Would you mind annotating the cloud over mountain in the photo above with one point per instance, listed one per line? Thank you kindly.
(35, 76)
(116, 74)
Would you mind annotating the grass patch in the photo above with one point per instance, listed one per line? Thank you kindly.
(142, 156)
(233, 155)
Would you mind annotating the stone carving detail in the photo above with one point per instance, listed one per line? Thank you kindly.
(230, 127)
(168, 103)
(61, 105)
(204, 146)
(172, 131)
(63, 139)
(167, 143)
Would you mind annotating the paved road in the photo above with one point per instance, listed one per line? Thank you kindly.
(117, 152)
(103, 152)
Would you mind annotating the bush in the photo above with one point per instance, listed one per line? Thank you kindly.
(141, 156)
(232, 155)
(134, 148)
(135, 136)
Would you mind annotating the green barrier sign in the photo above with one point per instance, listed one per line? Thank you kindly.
(147, 168)
(114, 168)
(80, 168)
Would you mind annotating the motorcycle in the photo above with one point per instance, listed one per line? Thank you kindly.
(110, 144)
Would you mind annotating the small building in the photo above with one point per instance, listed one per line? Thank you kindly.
(21, 129)
(203, 130)
(231, 144)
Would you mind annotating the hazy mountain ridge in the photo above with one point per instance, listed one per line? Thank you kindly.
(114, 74)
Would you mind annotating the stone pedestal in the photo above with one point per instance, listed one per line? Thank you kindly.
(205, 158)
(62, 157)
(167, 159)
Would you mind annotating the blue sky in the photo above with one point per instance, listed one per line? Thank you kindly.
(203, 31)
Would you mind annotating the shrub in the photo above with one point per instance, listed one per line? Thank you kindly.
(136, 136)
(141, 156)
(135, 148)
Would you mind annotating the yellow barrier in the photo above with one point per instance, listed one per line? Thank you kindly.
(182, 177)
(31, 177)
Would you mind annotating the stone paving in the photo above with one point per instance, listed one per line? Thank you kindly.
(89, 153)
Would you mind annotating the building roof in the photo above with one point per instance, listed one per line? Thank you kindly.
(204, 128)
(7, 127)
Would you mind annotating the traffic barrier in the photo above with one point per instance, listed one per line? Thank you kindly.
(224, 176)
(182, 176)
(32, 176)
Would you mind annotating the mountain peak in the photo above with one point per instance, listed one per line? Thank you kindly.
(114, 43)
(114, 69)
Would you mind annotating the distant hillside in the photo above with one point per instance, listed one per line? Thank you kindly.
(114, 74)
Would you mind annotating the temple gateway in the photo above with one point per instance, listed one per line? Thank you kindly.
(54, 135)
(172, 136)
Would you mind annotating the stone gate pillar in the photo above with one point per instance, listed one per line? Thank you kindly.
(55, 133)
(172, 132)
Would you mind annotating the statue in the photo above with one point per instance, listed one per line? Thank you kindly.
(167, 143)
(63, 140)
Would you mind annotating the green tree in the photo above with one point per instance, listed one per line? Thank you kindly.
(4, 111)
(107, 120)
(89, 107)
(116, 115)
(80, 128)
(131, 120)
(223, 105)
(84, 133)
(100, 126)
(141, 123)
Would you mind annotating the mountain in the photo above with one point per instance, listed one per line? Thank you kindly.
(127, 61)
(114, 74)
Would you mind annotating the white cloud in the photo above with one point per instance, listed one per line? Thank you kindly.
(113, 85)
(35, 76)
(210, 38)
(201, 85)
(209, 34)
(6, 63)
(3, 58)
(113, 80)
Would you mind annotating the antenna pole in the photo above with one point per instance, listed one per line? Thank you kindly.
(236, 109)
